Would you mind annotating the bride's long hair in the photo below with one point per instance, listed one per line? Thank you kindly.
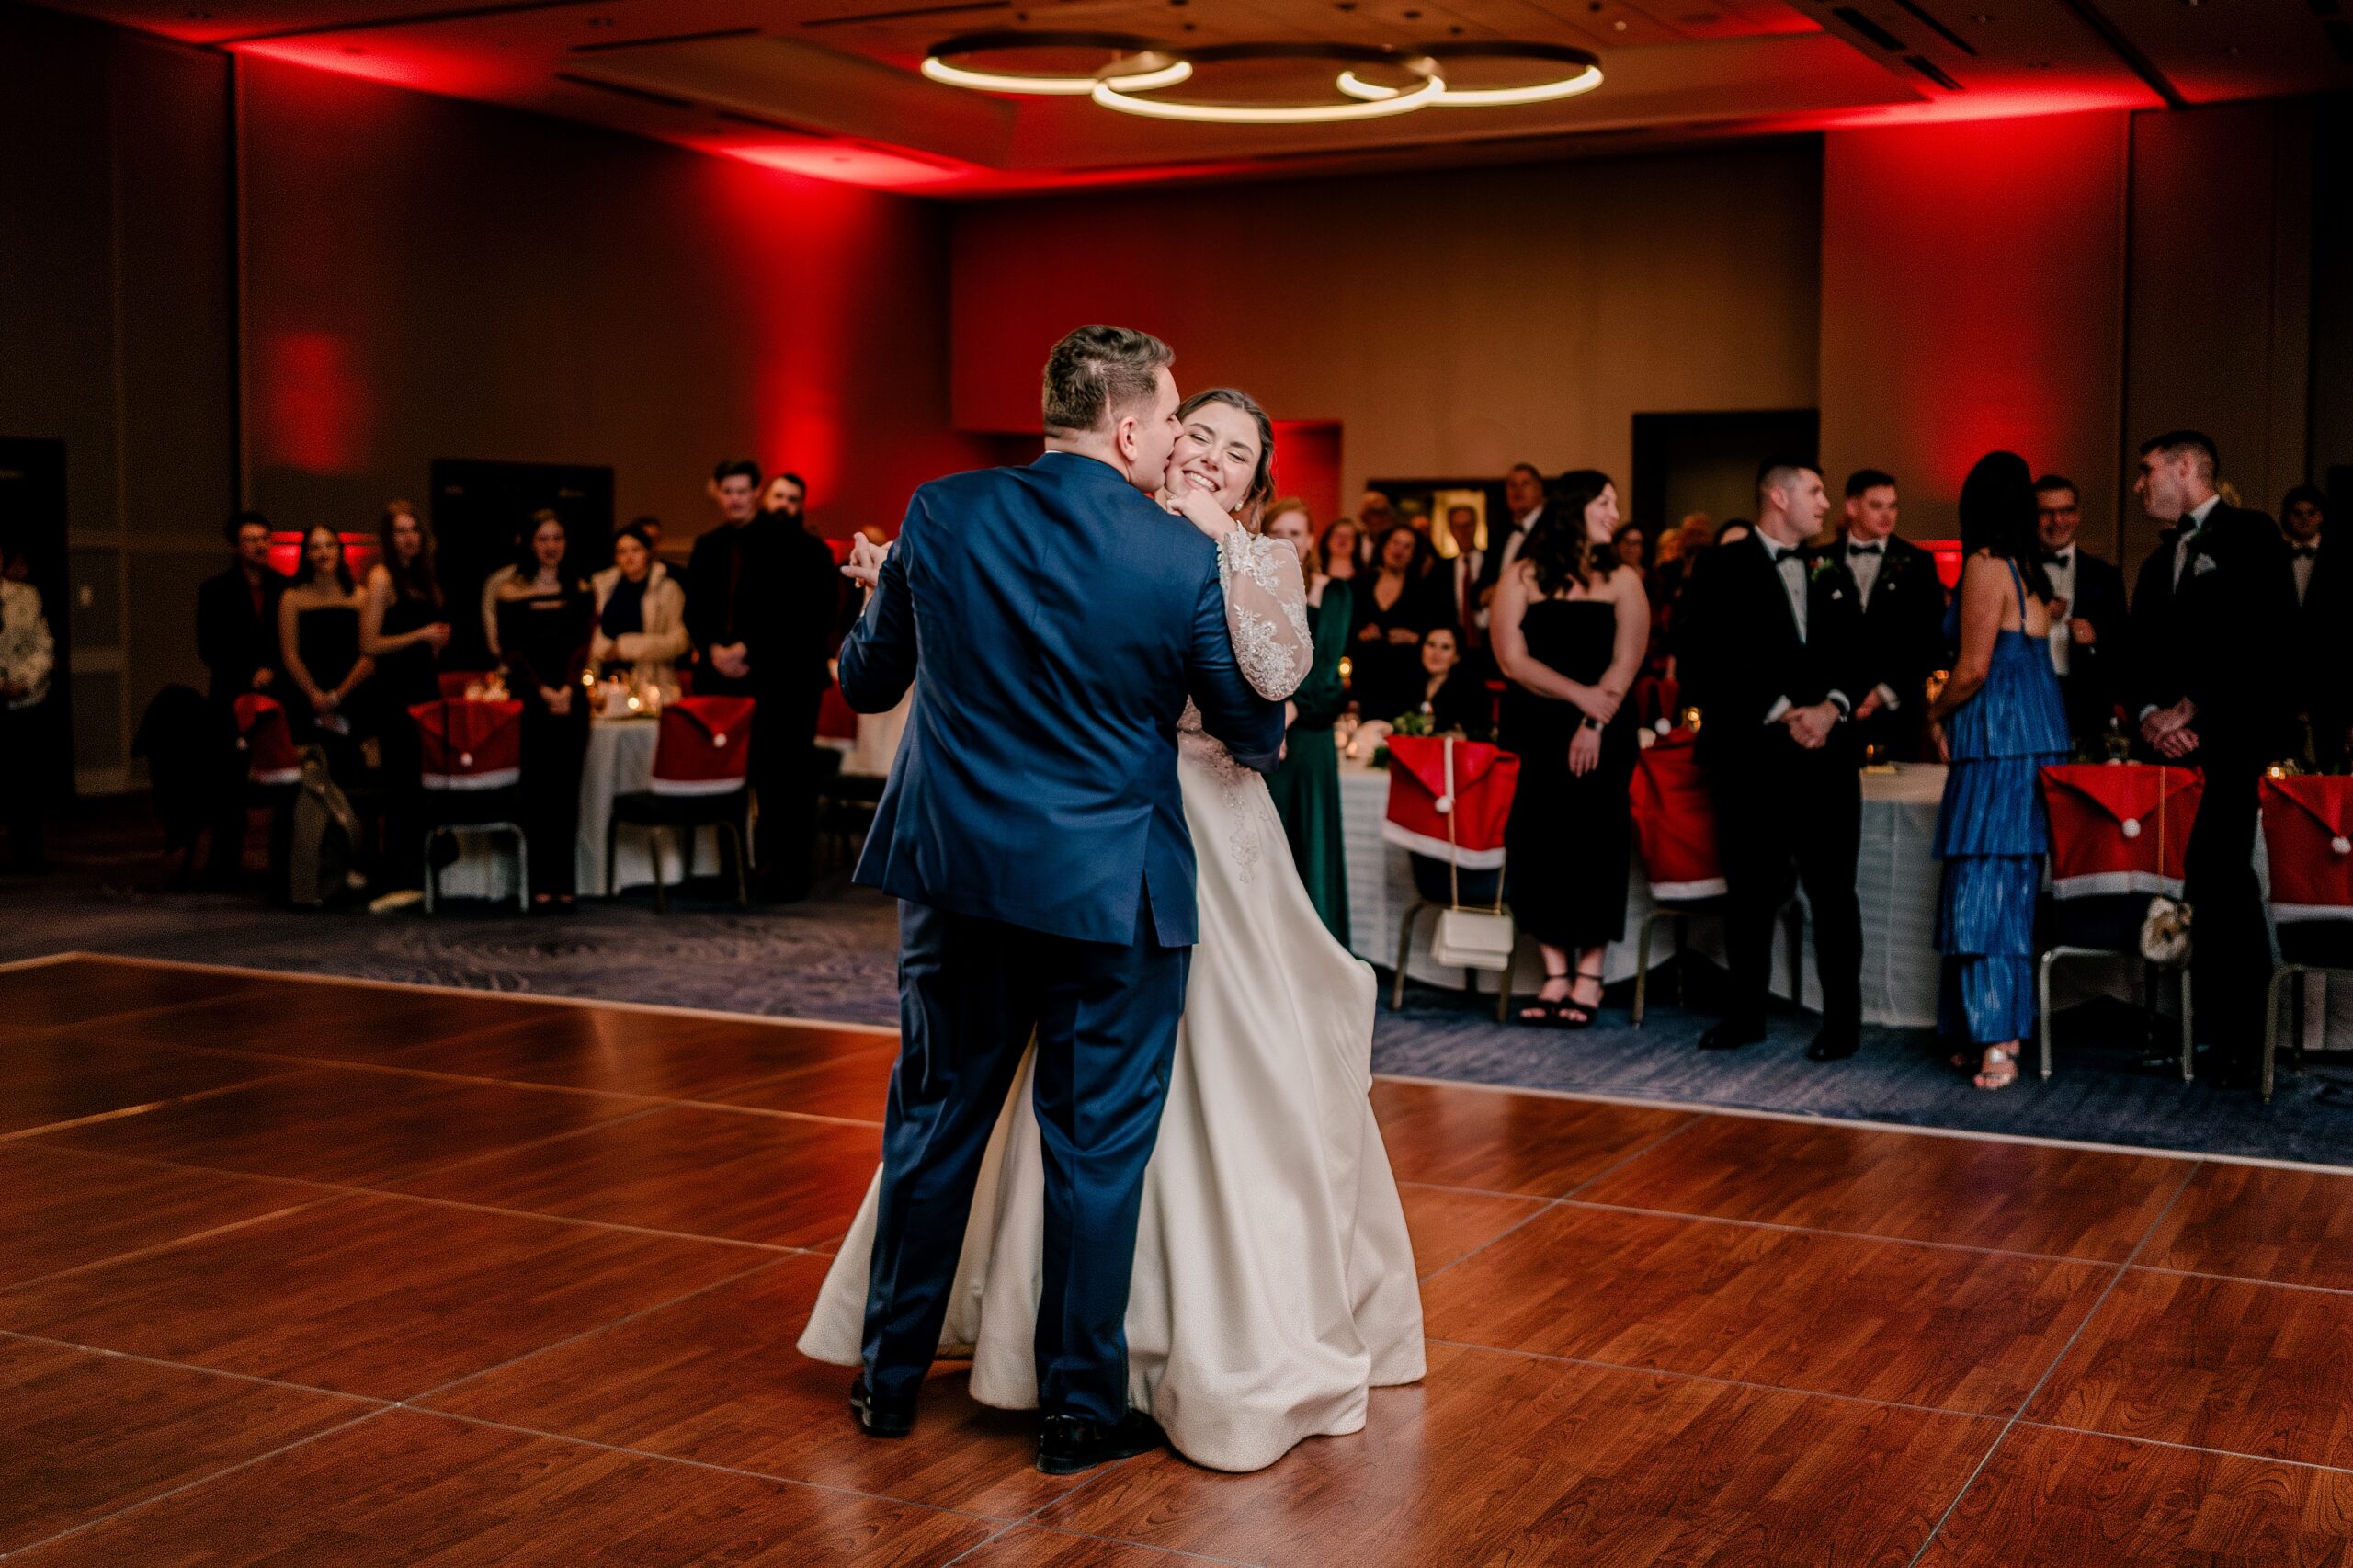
(1262, 483)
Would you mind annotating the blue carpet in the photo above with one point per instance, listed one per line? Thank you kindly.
(833, 958)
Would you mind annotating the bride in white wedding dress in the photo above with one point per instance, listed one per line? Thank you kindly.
(1274, 1280)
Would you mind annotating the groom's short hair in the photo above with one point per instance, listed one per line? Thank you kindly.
(1097, 369)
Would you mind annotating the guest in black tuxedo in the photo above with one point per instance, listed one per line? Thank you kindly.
(2214, 628)
(1768, 655)
(236, 638)
(1525, 505)
(2324, 626)
(2088, 614)
(761, 613)
(1903, 611)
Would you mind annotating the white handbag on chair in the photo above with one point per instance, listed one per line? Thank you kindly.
(1469, 939)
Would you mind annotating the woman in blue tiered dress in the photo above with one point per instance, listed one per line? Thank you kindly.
(2000, 720)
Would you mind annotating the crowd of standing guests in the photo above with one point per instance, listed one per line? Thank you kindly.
(756, 611)
(1809, 647)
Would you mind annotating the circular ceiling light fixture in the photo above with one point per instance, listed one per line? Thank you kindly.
(1426, 87)
(1137, 65)
(1583, 75)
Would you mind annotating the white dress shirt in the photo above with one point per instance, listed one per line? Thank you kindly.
(2301, 565)
(1863, 562)
(2060, 570)
(2191, 524)
(1521, 526)
(1789, 566)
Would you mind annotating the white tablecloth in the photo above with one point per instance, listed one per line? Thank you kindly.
(619, 761)
(1896, 878)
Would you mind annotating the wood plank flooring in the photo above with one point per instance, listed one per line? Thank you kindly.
(302, 1271)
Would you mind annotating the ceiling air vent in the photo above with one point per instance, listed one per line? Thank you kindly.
(1870, 29)
(1933, 72)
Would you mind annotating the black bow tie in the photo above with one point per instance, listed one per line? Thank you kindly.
(2059, 558)
(2304, 552)
(1866, 548)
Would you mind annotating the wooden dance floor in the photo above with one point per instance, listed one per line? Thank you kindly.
(314, 1273)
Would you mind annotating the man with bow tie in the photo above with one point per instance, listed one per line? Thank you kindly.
(2324, 624)
(2087, 613)
(2214, 625)
(1766, 647)
(1525, 506)
(1901, 608)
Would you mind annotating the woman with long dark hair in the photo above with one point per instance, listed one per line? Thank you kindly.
(545, 618)
(1393, 611)
(402, 629)
(1999, 719)
(318, 645)
(1569, 624)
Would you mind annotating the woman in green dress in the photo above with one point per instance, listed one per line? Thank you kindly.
(1306, 787)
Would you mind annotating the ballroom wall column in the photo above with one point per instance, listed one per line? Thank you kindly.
(1972, 299)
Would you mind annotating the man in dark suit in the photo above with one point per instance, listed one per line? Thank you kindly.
(2088, 614)
(1053, 620)
(1902, 631)
(761, 612)
(1525, 506)
(2323, 579)
(236, 638)
(1768, 655)
(2213, 626)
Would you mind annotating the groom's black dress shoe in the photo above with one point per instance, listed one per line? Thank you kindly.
(1731, 1037)
(1832, 1046)
(1068, 1444)
(880, 1418)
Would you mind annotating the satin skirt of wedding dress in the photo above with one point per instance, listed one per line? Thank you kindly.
(1274, 1280)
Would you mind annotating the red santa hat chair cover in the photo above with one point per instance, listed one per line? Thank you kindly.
(2119, 828)
(471, 755)
(271, 756)
(1448, 803)
(2116, 829)
(705, 747)
(2308, 850)
(1674, 833)
(470, 744)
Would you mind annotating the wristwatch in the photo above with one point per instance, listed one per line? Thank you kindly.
(1590, 723)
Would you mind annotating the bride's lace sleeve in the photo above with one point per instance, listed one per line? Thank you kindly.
(1266, 610)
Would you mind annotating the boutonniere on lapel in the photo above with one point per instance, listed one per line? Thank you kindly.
(1821, 566)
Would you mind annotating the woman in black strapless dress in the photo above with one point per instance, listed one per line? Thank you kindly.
(318, 636)
(546, 617)
(402, 629)
(1569, 625)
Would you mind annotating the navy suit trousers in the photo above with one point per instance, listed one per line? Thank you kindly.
(972, 994)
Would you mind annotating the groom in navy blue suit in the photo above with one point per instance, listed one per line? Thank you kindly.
(1053, 620)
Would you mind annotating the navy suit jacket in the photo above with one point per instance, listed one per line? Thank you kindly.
(1053, 620)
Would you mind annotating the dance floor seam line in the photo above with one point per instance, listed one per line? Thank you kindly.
(1714, 1379)
(414, 1399)
(2189, 1447)
(1847, 1235)
(122, 1113)
(205, 1480)
(328, 1189)
(204, 1368)
(2058, 1359)
(224, 1228)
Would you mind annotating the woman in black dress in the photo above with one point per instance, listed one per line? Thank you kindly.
(1392, 610)
(402, 629)
(1569, 623)
(318, 645)
(546, 617)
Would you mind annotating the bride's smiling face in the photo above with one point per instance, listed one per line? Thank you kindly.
(1217, 451)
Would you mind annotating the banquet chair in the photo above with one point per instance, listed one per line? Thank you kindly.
(2310, 856)
(272, 770)
(471, 767)
(701, 772)
(1448, 801)
(2118, 833)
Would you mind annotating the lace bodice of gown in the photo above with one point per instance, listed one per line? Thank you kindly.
(1265, 614)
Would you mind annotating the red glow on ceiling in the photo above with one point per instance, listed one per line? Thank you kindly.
(346, 58)
(846, 162)
(314, 405)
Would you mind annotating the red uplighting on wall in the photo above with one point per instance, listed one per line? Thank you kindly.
(360, 553)
(1948, 554)
(314, 405)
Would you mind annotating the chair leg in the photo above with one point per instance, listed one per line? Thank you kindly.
(1682, 927)
(2188, 1031)
(522, 872)
(661, 887)
(2272, 1024)
(2042, 1008)
(1405, 951)
(612, 852)
(1643, 964)
(1502, 987)
(742, 853)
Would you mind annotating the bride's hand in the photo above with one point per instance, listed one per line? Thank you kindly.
(864, 566)
(1199, 508)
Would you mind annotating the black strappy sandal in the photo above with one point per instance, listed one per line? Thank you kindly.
(1540, 1014)
(1573, 1014)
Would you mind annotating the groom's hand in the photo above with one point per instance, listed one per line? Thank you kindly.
(864, 566)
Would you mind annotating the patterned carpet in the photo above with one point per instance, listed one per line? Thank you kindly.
(833, 957)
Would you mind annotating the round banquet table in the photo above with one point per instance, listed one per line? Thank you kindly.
(619, 761)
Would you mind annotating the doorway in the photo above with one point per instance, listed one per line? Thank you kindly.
(1708, 462)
